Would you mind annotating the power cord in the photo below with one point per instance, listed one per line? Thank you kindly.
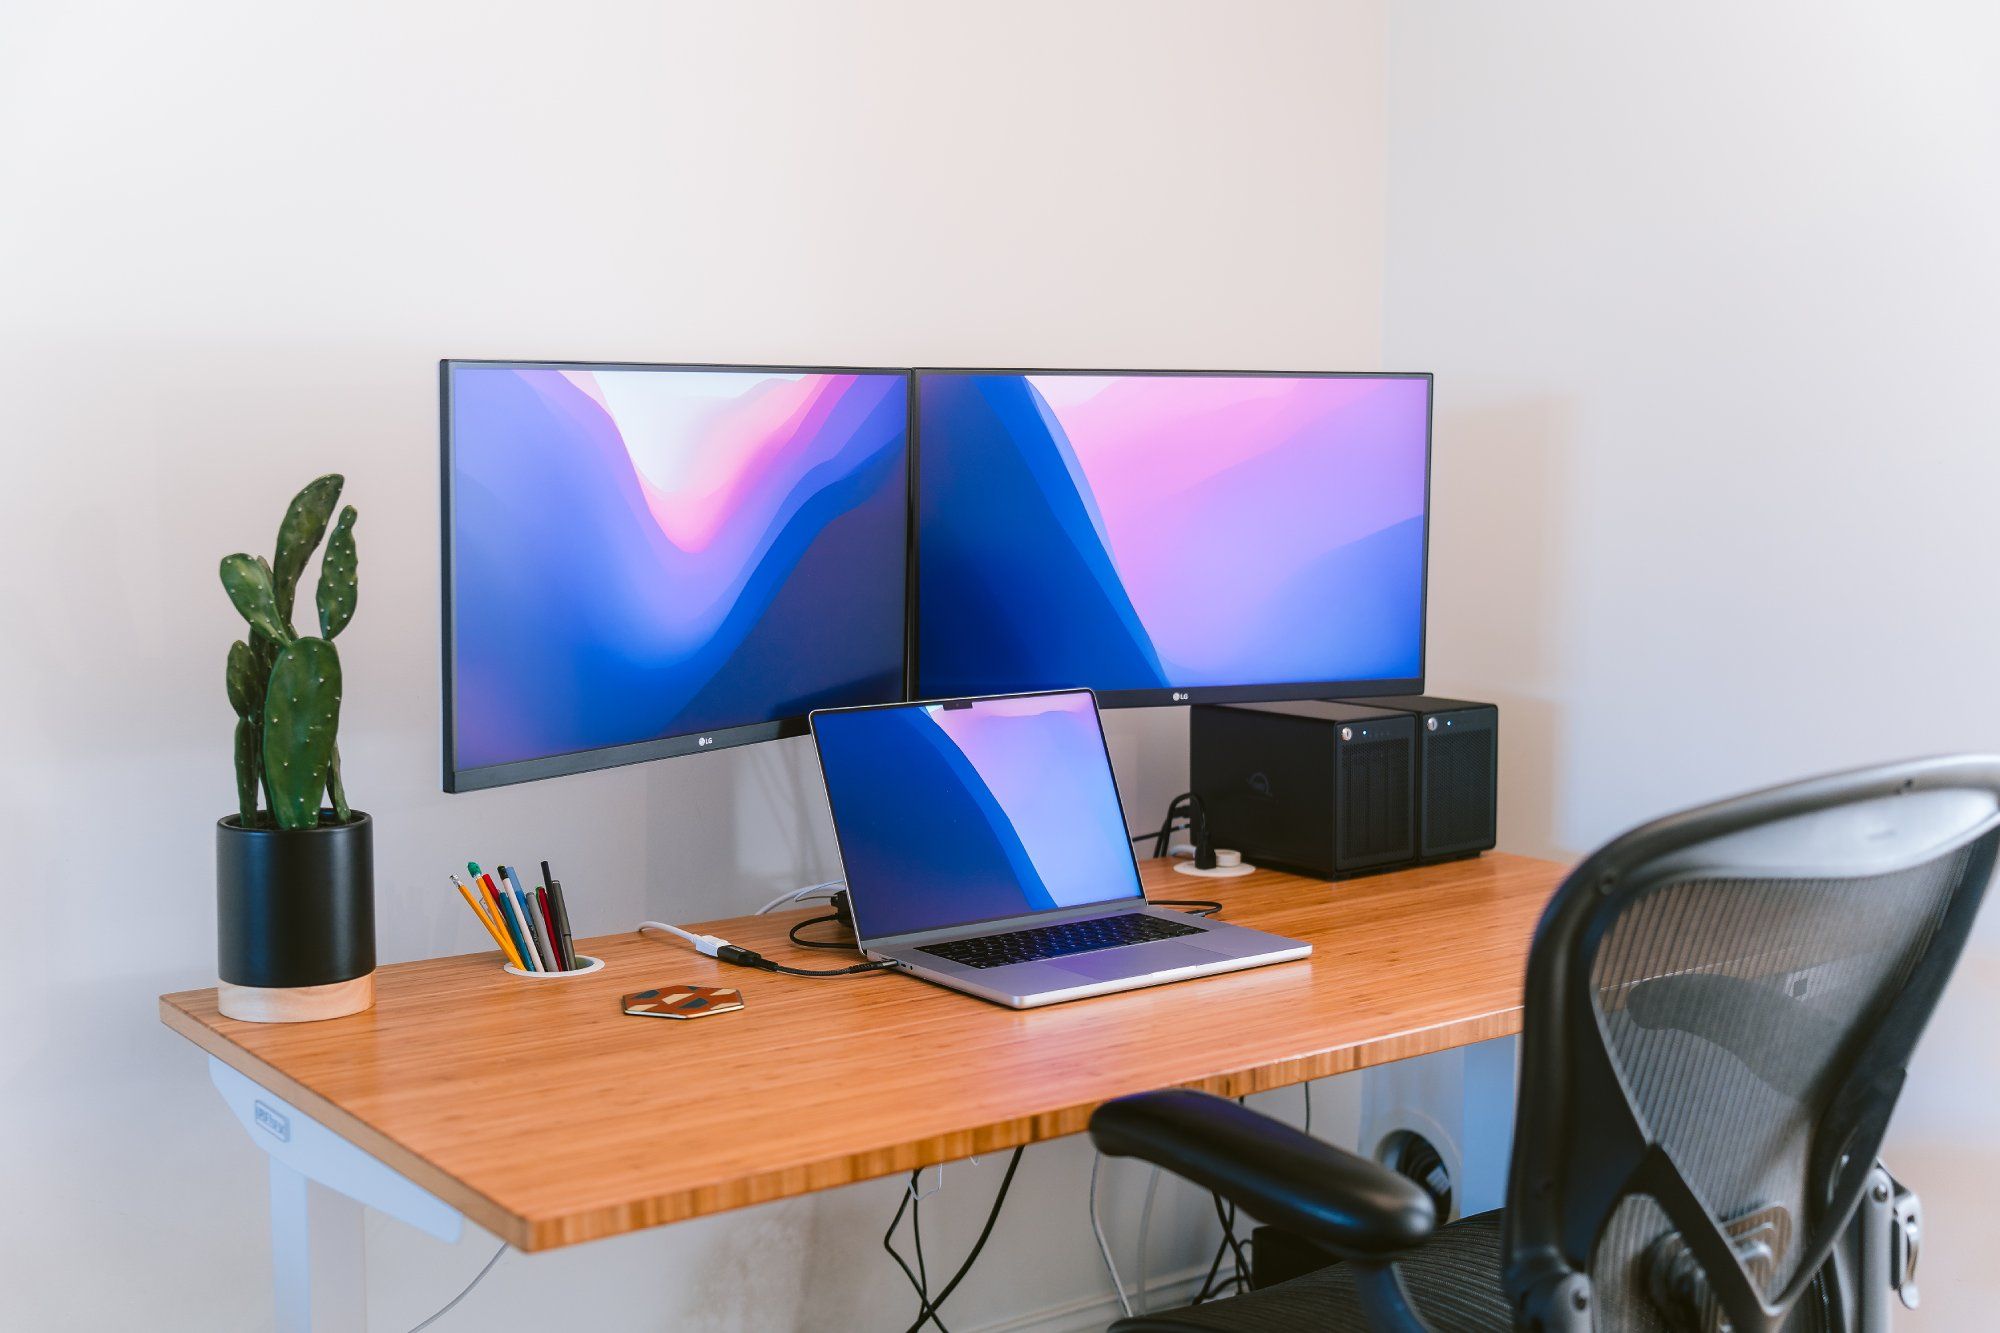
(1139, 1293)
(1195, 820)
(453, 1302)
(714, 946)
(1198, 906)
(1104, 1246)
(927, 1309)
(842, 913)
(920, 1281)
(799, 895)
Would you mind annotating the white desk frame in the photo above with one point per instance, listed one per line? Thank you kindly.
(320, 1184)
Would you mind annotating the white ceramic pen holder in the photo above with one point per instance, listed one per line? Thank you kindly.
(588, 964)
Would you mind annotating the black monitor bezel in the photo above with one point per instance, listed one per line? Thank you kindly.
(457, 779)
(1200, 694)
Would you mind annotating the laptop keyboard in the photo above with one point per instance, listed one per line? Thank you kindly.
(1059, 941)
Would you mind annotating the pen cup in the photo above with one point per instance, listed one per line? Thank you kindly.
(589, 964)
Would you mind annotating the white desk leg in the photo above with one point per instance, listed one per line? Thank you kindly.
(319, 1184)
(319, 1269)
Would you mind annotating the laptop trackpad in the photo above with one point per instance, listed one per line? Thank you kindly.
(1159, 956)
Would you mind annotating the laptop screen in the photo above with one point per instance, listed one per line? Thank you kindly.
(956, 813)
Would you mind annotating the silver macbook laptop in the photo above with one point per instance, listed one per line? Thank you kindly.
(986, 850)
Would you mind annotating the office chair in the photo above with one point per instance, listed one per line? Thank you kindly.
(1720, 1007)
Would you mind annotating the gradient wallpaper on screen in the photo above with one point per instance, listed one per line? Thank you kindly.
(947, 816)
(647, 553)
(1152, 531)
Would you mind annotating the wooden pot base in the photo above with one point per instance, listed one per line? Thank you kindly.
(295, 1004)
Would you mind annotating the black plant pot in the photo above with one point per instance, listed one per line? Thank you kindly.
(295, 920)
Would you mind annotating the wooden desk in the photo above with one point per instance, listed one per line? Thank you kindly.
(545, 1115)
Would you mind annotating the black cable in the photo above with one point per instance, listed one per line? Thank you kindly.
(793, 933)
(888, 1243)
(1154, 835)
(742, 957)
(1214, 1267)
(1199, 906)
(765, 964)
(930, 1309)
(923, 1273)
(1161, 840)
(1228, 1220)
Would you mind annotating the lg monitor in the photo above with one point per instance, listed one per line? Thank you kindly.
(651, 560)
(1171, 537)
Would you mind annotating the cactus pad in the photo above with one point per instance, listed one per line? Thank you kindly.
(301, 717)
(248, 774)
(337, 582)
(304, 524)
(247, 579)
(243, 695)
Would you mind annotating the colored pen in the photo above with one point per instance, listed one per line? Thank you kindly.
(519, 917)
(506, 948)
(561, 912)
(548, 919)
(510, 892)
(501, 914)
(506, 921)
(543, 953)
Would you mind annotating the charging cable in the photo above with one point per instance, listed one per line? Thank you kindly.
(826, 890)
(716, 947)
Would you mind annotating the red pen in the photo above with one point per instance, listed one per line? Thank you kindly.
(506, 917)
(549, 922)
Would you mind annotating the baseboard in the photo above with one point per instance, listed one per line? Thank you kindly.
(1094, 1314)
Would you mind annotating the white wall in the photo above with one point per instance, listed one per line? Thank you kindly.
(1710, 292)
(235, 240)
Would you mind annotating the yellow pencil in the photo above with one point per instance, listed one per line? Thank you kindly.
(506, 945)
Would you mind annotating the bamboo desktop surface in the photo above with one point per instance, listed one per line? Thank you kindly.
(548, 1117)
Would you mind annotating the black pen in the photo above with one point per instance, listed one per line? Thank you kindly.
(561, 912)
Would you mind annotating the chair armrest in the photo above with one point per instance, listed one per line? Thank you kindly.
(1344, 1202)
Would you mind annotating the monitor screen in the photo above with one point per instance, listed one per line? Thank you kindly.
(1171, 537)
(652, 560)
(953, 813)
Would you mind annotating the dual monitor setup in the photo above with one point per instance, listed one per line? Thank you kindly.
(652, 560)
(944, 573)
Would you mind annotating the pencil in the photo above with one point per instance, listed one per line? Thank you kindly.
(517, 923)
(506, 948)
(499, 914)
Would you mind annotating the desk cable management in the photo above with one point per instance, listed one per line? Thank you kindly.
(714, 946)
(1181, 814)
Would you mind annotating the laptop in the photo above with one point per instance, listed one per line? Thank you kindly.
(986, 850)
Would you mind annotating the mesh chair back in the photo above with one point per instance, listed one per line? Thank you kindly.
(1720, 1009)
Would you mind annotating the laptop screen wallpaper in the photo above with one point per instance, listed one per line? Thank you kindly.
(949, 815)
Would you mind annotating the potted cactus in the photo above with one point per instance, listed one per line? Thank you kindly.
(294, 866)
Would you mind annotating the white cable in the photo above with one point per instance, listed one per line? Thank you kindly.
(1145, 1221)
(707, 944)
(463, 1294)
(1097, 1230)
(810, 891)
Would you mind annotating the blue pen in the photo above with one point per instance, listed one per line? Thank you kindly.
(545, 961)
(518, 911)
